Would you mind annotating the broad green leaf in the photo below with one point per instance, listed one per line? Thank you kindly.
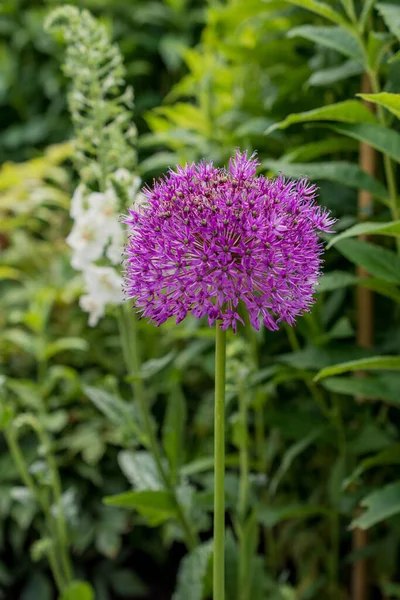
(390, 589)
(336, 38)
(366, 9)
(381, 287)
(157, 506)
(174, 428)
(371, 388)
(65, 345)
(331, 75)
(9, 273)
(290, 455)
(379, 262)
(112, 406)
(322, 9)
(191, 574)
(22, 339)
(388, 456)
(389, 101)
(380, 505)
(383, 139)
(140, 469)
(336, 280)
(319, 148)
(373, 363)
(390, 13)
(389, 228)
(349, 111)
(78, 590)
(274, 515)
(341, 172)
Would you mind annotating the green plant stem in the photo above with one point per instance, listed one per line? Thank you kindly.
(219, 465)
(243, 454)
(243, 571)
(28, 481)
(129, 338)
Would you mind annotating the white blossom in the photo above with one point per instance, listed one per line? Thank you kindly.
(94, 307)
(78, 202)
(87, 240)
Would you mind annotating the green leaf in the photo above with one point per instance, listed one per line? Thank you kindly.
(10, 273)
(373, 363)
(389, 101)
(336, 280)
(157, 506)
(379, 262)
(140, 469)
(366, 9)
(383, 139)
(65, 345)
(321, 9)
(371, 388)
(78, 590)
(174, 428)
(390, 13)
(336, 38)
(381, 504)
(341, 172)
(316, 149)
(388, 456)
(349, 111)
(290, 455)
(350, 68)
(271, 516)
(389, 228)
(192, 572)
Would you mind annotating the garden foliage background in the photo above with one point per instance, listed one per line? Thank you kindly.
(319, 435)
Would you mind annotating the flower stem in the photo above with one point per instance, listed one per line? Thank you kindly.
(219, 465)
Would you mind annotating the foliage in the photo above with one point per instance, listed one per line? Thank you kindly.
(313, 447)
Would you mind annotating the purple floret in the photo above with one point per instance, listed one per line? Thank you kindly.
(206, 239)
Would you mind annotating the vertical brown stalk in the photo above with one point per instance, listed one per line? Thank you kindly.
(365, 331)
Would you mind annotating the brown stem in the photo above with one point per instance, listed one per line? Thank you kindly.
(365, 331)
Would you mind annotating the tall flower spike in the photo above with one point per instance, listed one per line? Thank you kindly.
(207, 238)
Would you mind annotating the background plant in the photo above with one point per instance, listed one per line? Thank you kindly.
(312, 452)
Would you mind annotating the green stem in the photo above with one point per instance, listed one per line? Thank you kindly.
(129, 337)
(243, 455)
(19, 461)
(219, 465)
(243, 571)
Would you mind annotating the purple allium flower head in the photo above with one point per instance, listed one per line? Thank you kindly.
(207, 238)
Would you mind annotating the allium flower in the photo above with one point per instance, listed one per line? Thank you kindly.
(207, 239)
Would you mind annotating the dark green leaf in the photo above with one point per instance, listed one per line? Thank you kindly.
(383, 139)
(349, 111)
(380, 505)
(374, 363)
(339, 171)
(379, 262)
(336, 38)
(192, 571)
(78, 590)
(156, 506)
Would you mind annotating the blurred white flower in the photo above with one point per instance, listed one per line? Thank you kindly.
(87, 240)
(94, 307)
(104, 283)
(78, 202)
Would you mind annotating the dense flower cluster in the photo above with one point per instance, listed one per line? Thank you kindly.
(206, 239)
(98, 236)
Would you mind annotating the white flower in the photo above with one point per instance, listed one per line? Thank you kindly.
(106, 204)
(77, 208)
(133, 182)
(94, 307)
(104, 283)
(87, 239)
